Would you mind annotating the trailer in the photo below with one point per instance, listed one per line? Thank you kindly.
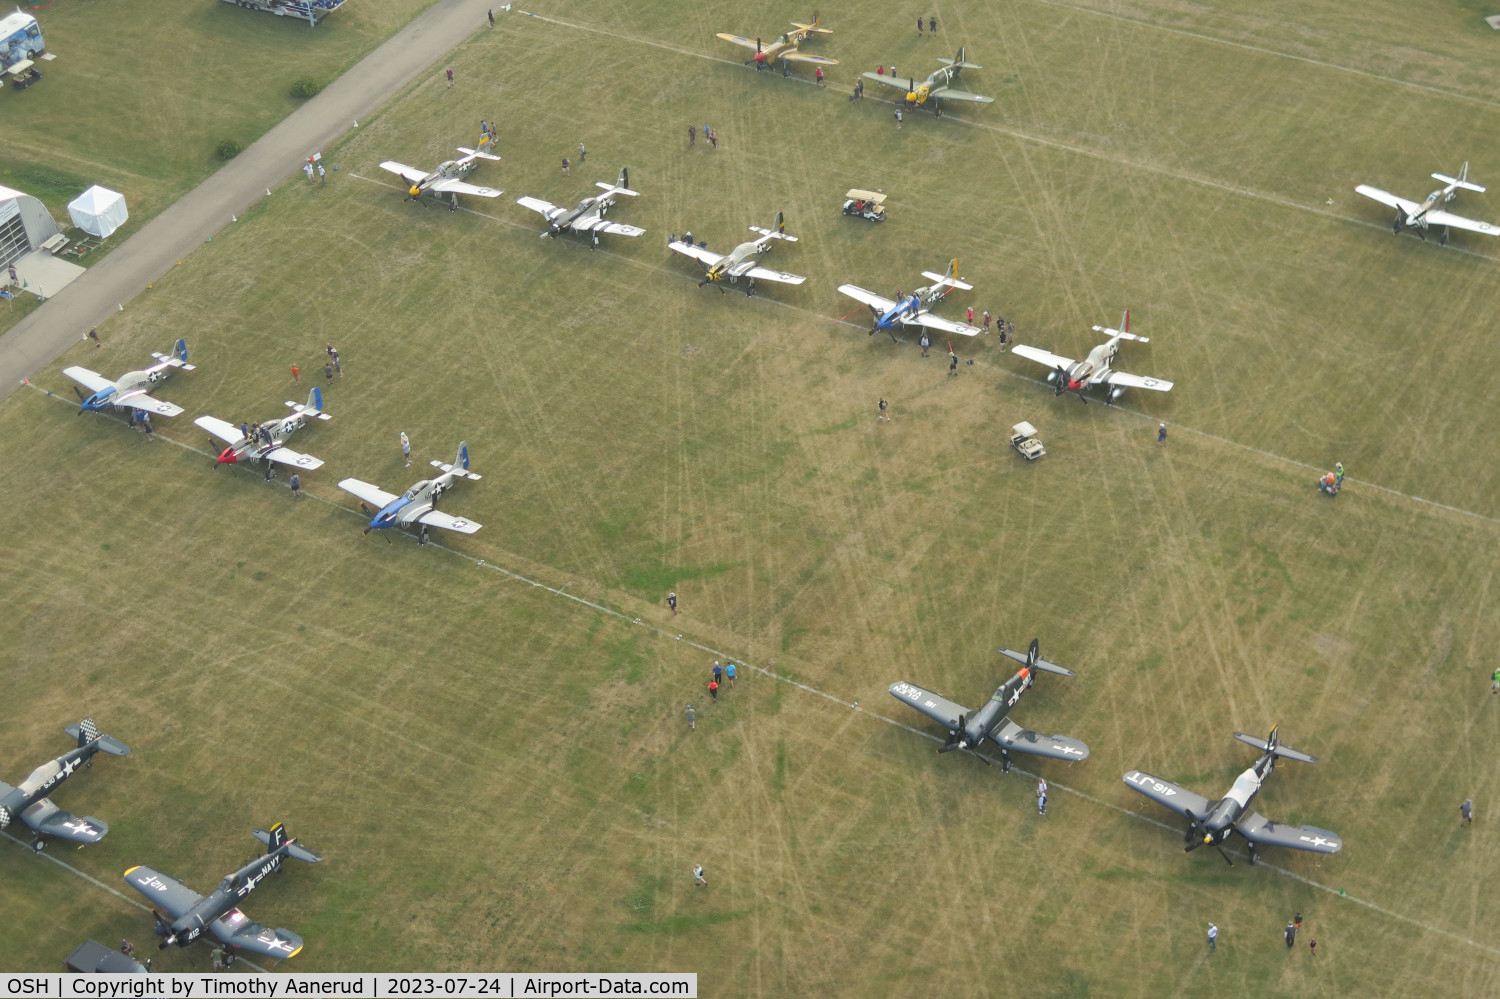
(311, 11)
(20, 41)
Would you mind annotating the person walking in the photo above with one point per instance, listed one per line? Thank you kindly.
(1290, 933)
(713, 136)
(971, 315)
(322, 176)
(450, 76)
(1495, 682)
(713, 690)
(898, 117)
(406, 449)
(296, 484)
(691, 719)
(672, 602)
(582, 152)
(919, 25)
(692, 135)
(698, 878)
(307, 168)
(1213, 937)
(1161, 435)
(94, 336)
(718, 671)
(1466, 812)
(818, 78)
(932, 25)
(926, 342)
(491, 14)
(1041, 797)
(1338, 470)
(986, 320)
(565, 167)
(952, 362)
(1312, 947)
(296, 375)
(884, 410)
(729, 673)
(328, 373)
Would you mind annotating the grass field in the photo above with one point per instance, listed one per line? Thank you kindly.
(498, 773)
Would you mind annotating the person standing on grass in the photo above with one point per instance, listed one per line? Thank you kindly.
(450, 83)
(718, 671)
(672, 602)
(1041, 797)
(406, 449)
(1495, 682)
(1312, 947)
(952, 362)
(296, 484)
(692, 136)
(491, 14)
(1466, 812)
(322, 177)
(926, 342)
(565, 167)
(729, 672)
(1161, 435)
(932, 25)
(1290, 933)
(1338, 471)
(713, 690)
(328, 373)
(296, 375)
(94, 336)
(698, 878)
(691, 719)
(582, 152)
(819, 76)
(1213, 937)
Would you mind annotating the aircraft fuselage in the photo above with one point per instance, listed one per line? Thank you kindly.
(989, 718)
(231, 890)
(1094, 369)
(45, 778)
(1225, 812)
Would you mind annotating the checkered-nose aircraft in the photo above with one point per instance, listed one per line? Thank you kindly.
(182, 914)
(30, 803)
(967, 730)
(1211, 822)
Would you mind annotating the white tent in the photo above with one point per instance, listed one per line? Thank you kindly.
(98, 211)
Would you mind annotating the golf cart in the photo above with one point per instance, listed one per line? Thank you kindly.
(1023, 439)
(866, 204)
(23, 74)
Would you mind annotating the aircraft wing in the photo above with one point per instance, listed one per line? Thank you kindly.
(287, 456)
(766, 274)
(1137, 381)
(616, 228)
(165, 894)
(1042, 357)
(1059, 747)
(547, 208)
(222, 429)
(807, 57)
(237, 930)
(931, 321)
(934, 706)
(448, 522)
(140, 400)
(91, 380)
(943, 93)
(1388, 199)
(887, 80)
(1459, 222)
(373, 495)
(1178, 799)
(1262, 831)
(410, 173)
(874, 301)
(740, 40)
(697, 252)
(452, 185)
(56, 822)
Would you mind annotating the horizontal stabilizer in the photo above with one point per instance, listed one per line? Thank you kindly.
(1122, 334)
(773, 234)
(1280, 750)
(1458, 182)
(1040, 664)
(114, 747)
(293, 849)
(612, 189)
(948, 282)
(464, 472)
(478, 154)
(960, 65)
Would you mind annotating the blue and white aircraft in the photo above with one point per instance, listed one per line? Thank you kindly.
(30, 803)
(418, 505)
(131, 390)
(913, 310)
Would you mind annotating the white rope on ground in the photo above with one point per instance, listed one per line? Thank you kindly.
(709, 650)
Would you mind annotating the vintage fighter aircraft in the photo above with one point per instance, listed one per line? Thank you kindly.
(740, 262)
(1211, 822)
(446, 179)
(268, 443)
(589, 215)
(182, 914)
(967, 730)
(1409, 213)
(131, 390)
(937, 88)
(418, 505)
(913, 310)
(785, 47)
(1068, 375)
(30, 803)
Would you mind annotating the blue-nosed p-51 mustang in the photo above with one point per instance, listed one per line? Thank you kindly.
(267, 441)
(30, 803)
(418, 505)
(967, 730)
(1212, 822)
(132, 389)
(912, 309)
(182, 914)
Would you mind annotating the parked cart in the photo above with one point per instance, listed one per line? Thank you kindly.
(1023, 439)
(866, 204)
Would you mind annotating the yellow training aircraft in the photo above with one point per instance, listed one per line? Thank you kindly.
(785, 47)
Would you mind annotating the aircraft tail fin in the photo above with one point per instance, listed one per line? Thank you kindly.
(1032, 659)
(1462, 180)
(87, 732)
(277, 838)
(620, 186)
(1272, 745)
(475, 154)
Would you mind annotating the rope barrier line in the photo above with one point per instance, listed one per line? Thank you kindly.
(852, 705)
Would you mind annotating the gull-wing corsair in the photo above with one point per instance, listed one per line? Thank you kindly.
(967, 730)
(182, 914)
(132, 389)
(1068, 375)
(784, 48)
(1212, 822)
(418, 505)
(938, 86)
(267, 441)
(1420, 216)
(741, 261)
(588, 215)
(913, 310)
(30, 803)
(446, 179)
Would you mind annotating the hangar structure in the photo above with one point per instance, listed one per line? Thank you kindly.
(25, 225)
